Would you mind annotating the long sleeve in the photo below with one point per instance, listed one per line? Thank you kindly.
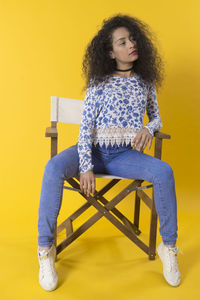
(86, 131)
(153, 113)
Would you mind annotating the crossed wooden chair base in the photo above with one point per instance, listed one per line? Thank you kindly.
(104, 209)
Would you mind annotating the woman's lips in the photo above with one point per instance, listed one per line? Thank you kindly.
(134, 52)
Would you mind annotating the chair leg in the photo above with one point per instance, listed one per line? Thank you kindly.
(137, 212)
(153, 231)
(55, 239)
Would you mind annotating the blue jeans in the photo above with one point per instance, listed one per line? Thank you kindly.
(123, 161)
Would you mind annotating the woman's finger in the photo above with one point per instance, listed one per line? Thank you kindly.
(93, 186)
(137, 140)
(85, 186)
(141, 143)
(150, 142)
(89, 189)
(145, 143)
(81, 184)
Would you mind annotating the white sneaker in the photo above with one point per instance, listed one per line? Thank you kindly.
(168, 257)
(48, 277)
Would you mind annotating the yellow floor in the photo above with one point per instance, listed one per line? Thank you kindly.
(102, 264)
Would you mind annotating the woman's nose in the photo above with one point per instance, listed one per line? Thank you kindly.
(132, 43)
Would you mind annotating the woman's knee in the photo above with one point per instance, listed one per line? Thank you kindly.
(65, 164)
(53, 168)
(165, 172)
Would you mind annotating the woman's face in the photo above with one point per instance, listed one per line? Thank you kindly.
(123, 44)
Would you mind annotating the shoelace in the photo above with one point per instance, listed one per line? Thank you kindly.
(46, 267)
(175, 249)
(172, 261)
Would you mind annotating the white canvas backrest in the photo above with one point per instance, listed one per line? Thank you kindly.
(66, 110)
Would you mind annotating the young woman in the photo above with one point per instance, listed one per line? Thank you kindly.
(122, 68)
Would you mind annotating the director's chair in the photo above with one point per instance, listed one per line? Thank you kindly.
(67, 110)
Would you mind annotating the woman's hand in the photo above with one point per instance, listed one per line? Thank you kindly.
(87, 180)
(141, 139)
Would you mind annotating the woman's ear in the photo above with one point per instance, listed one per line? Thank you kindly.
(111, 55)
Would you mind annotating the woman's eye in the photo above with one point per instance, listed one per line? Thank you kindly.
(132, 38)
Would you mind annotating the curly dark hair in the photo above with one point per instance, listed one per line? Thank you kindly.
(98, 65)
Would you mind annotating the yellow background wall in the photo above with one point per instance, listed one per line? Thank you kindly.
(42, 44)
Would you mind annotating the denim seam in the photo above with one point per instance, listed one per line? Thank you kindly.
(163, 207)
(60, 190)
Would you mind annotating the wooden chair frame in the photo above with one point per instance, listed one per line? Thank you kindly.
(69, 111)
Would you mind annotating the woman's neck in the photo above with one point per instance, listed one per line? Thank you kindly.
(124, 74)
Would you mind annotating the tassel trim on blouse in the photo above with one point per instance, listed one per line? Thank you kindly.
(114, 135)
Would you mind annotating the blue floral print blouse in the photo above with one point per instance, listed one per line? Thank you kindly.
(113, 112)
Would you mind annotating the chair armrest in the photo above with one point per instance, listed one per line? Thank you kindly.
(161, 135)
(51, 132)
